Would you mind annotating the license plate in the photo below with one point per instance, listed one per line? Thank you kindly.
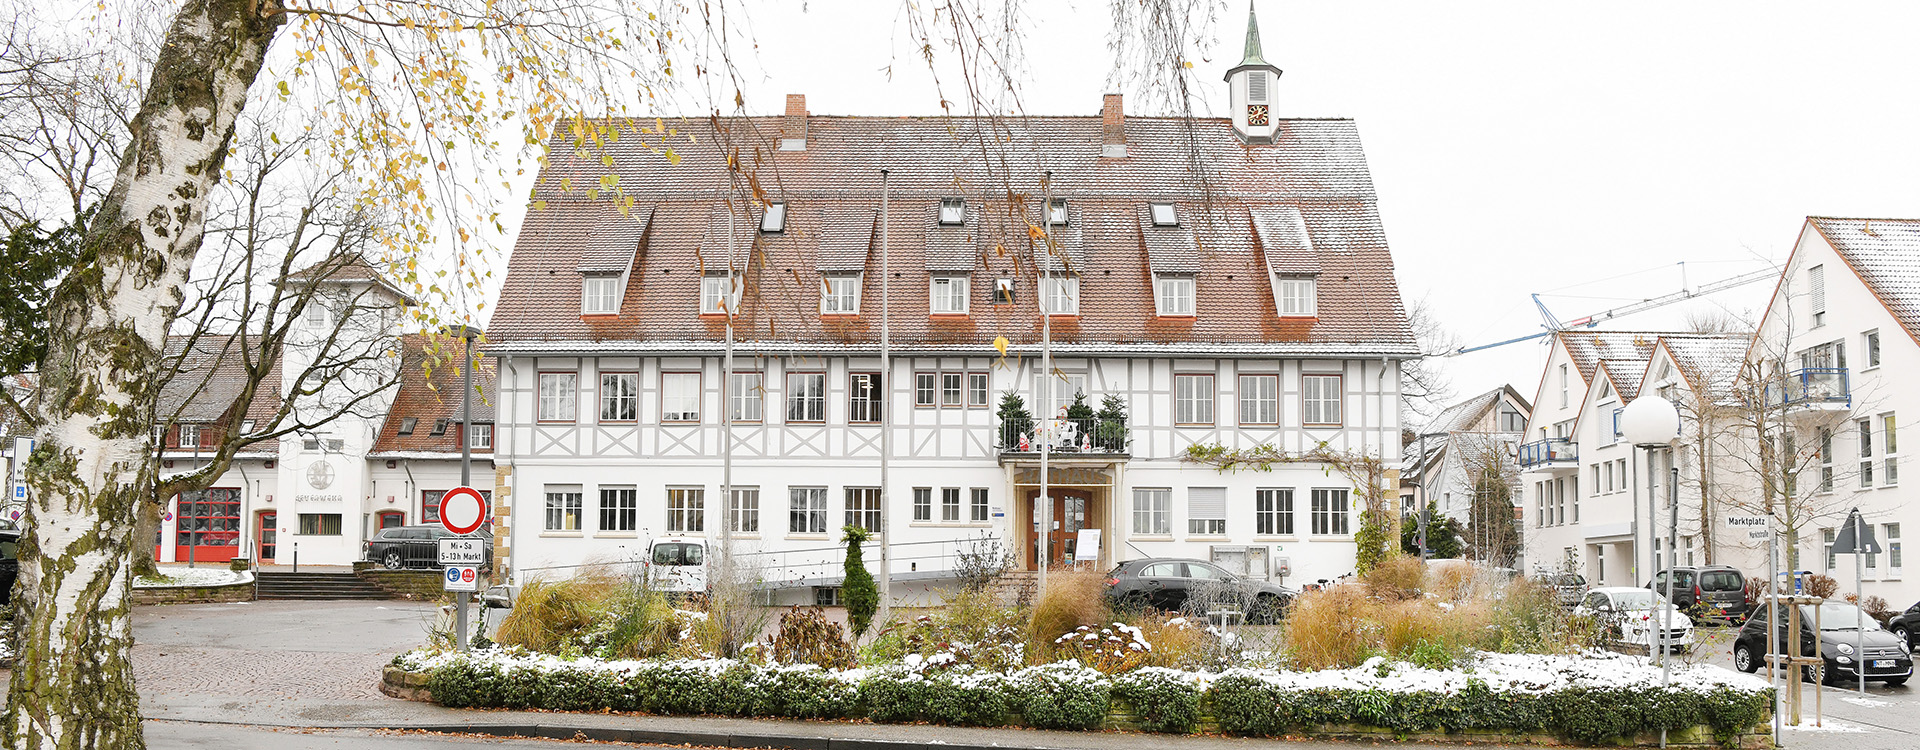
(1882, 663)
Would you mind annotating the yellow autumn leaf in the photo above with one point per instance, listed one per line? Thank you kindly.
(1000, 343)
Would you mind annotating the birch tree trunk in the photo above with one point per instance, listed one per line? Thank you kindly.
(72, 685)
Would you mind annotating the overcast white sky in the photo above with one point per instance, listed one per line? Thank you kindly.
(1517, 147)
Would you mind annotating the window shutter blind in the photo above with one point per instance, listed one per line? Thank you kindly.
(1207, 502)
(1257, 87)
(1817, 287)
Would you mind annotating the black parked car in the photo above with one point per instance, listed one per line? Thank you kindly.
(1171, 585)
(415, 546)
(1715, 592)
(9, 563)
(1906, 626)
(1887, 658)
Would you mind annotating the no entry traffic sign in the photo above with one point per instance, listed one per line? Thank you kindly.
(463, 510)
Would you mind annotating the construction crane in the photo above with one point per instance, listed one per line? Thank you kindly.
(1553, 325)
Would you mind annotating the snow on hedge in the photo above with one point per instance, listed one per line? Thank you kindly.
(193, 577)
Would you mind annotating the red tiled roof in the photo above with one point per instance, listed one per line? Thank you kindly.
(429, 398)
(1886, 255)
(210, 375)
(1316, 168)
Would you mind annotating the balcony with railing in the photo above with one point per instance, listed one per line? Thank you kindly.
(1066, 435)
(1812, 388)
(1549, 453)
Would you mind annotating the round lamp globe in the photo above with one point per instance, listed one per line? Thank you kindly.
(1650, 420)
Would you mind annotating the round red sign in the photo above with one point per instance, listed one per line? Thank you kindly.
(463, 510)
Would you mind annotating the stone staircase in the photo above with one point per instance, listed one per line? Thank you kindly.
(310, 586)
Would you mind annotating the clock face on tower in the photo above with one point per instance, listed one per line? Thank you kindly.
(1256, 114)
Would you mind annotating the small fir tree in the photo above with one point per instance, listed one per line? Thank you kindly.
(1014, 419)
(1079, 411)
(857, 589)
(1111, 432)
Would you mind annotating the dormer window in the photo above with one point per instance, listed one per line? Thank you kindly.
(947, 295)
(1003, 291)
(774, 221)
(953, 211)
(189, 436)
(439, 427)
(1164, 216)
(1173, 295)
(840, 295)
(599, 295)
(1057, 212)
(719, 294)
(407, 424)
(1296, 296)
(1063, 295)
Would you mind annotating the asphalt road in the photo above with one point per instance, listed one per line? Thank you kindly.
(1881, 718)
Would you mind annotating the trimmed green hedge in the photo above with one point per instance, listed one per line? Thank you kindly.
(1066, 696)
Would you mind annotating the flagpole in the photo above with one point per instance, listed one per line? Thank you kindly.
(886, 409)
(1044, 545)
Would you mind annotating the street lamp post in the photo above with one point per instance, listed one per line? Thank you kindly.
(1652, 422)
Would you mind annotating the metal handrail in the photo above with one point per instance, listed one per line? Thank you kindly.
(1547, 450)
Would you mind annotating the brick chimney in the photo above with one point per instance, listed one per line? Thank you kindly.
(1113, 128)
(793, 132)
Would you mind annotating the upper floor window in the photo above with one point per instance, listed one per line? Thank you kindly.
(719, 294)
(1817, 294)
(599, 295)
(840, 295)
(1259, 399)
(480, 436)
(314, 315)
(1173, 294)
(619, 396)
(680, 397)
(1057, 211)
(806, 397)
(1193, 399)
(775, 219)
(743, 397)
(1871, 342)
(865, 397)
(1297, 296)
(1321, 397)
(1063, 295)
(189, 435)
(1563, 388)
(953, 211)
(1164, 215)
(556, 396)
(947, 295)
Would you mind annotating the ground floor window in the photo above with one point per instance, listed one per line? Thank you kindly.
(922, 504)
(745, 510)
(1330, 512)
(1207, 510)
(619, 509)
(1273, 512)
(863, 507)
(392, 519)
(209, 518)
(807, 510)
(1153, 511)
(430, 504)
(320, 524)
(979, 506)
(563, 509)
(686, 510)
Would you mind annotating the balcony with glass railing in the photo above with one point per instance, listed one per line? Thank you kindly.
(1066, 435)
(1812, 388)
(1549, 453)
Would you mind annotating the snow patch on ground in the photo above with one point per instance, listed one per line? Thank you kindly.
(1827, 725)
(1867, 702)
(182, 577)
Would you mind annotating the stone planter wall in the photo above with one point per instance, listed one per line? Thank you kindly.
(227, 594)
(417, 585)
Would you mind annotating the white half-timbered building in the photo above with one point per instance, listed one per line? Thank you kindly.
(1251, 302)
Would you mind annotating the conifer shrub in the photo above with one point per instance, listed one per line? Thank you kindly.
(857, 588)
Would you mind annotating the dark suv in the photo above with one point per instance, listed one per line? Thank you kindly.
(415, 546)
(1175, 584)
(1714, 592)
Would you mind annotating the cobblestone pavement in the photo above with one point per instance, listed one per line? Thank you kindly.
(240, 654)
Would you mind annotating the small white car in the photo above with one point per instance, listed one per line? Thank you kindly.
(678, 565)
(1633, 616)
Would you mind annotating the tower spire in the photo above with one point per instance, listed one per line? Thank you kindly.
(1253, 56)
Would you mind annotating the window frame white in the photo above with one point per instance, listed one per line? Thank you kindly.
(565, 508)
(1313, 407)
(720, 292)
(953, 212)
(686, 509)
(1189, 403)
(1174, 295)
(563, 399)
(674, 399)
(619, 508)
(745, 397)
(600, 294)
(840, 294)
(806, 509)
(619, 389)
(948, 295)
(742, 515)
(863, 507)
(1163, 214)
(798, 395)
(1326, 518)
(1062, 294)
(1154, 507)
(1206, 521)
(773, 220)
(1299, 296)
(1273, 510)
(1265, 405)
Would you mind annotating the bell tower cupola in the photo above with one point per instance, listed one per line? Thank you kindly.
(1250, 85)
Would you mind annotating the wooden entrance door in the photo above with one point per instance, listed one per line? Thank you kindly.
(1071, 511)
(269, 530)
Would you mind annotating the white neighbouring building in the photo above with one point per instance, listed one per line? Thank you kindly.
(321, 493)
(1450, 452)
(1258, 308)
(1584, 492)
(1840, 335)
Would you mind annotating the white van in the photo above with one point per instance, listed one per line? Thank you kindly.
(678, 565)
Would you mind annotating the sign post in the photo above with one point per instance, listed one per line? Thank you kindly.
(462, 511)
